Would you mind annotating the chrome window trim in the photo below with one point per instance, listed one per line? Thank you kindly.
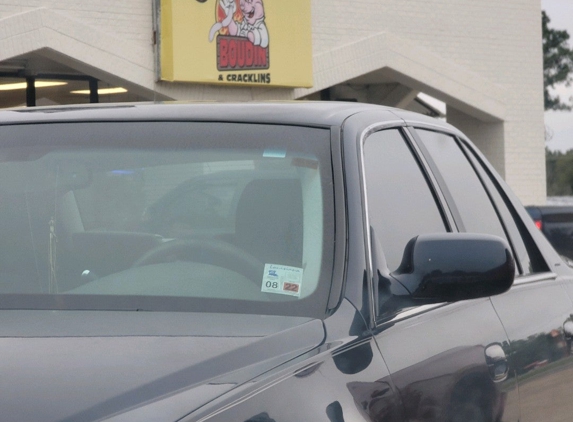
(418, 310)
(534, 278)
(411, 313)
(442, 202)
(366, 229)
(450, 130)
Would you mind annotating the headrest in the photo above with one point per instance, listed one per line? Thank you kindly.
(269, 221)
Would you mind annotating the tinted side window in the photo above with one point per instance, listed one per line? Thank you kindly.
(401, 204)
(528, 257)
(471, 205)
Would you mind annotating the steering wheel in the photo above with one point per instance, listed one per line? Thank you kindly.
(207, 251)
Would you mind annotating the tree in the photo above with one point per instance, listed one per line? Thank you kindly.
(559, 167)
(557, 64)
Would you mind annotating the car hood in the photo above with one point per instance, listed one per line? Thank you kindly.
(84, 366)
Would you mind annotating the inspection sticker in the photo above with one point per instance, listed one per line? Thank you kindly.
(282, 279)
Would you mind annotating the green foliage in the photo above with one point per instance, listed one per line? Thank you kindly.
(559, 173)
(557, 64)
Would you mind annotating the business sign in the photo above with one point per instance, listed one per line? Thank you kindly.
(234, 42)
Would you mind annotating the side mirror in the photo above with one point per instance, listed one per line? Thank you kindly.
(455, 266)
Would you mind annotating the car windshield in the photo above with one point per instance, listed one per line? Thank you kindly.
(170, 216)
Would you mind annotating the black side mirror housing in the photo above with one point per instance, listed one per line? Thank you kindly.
(455, 266)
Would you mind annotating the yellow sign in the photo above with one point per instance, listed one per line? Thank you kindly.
(235, 42)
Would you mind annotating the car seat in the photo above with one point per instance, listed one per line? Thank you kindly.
(269, 221)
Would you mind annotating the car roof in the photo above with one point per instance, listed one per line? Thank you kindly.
(311, 113)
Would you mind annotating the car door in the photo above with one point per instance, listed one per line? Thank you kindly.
(448, 361)
(536, 312)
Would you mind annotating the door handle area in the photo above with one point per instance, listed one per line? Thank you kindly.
(496, 361)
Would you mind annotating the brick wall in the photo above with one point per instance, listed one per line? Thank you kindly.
(130, 19)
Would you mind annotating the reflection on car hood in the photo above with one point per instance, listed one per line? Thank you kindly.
(77, 365)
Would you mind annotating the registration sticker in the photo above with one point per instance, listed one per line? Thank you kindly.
(282, 279)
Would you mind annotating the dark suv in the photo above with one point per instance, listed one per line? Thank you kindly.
(270, 262)
(556, 223)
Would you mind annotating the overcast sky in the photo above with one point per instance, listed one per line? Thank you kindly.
(560, 123)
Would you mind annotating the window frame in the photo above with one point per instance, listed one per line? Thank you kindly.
(467, 147)
(444, 202)
(314, 306)
(533, 251)
(449, 223)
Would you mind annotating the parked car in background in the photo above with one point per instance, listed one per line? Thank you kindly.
(556, 223)
(263, 262)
